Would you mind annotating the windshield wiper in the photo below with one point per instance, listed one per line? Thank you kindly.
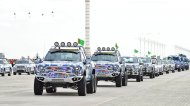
(49, 60)
(68, 60)
(107, 60)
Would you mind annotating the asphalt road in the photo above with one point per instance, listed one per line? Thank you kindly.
(167, 90)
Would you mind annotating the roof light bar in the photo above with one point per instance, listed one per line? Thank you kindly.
(56, 44)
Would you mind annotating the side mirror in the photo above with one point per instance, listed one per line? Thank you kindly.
(120, 62)
(141, 63)
(85, 62)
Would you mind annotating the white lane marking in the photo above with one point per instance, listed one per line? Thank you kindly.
(106, 101)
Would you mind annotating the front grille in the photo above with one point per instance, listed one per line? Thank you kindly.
(20, 67)
(108, 67)
(20, 71)
(100, 67)
(58, 75)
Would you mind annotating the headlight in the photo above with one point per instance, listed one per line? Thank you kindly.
(41, 69)
(1, 68)
(29, 68)
(78, 70)
(110, 68)
(116, 67)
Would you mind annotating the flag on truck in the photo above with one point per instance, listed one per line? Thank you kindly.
(116, 46)
(136, 51)
(81, 42)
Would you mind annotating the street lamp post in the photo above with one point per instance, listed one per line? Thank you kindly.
(87, 27)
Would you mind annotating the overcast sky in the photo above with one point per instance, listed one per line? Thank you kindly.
(112, 21)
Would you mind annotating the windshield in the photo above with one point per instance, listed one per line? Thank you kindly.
(1, 62)
(186, 60)
(146, 60)
(22, 62)
(176, 58)
(104, 57)
(131, 60)
(62, 56)
(159, 61)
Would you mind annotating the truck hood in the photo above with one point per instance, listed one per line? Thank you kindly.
(21, 65)
(60, 63)
(105, 63)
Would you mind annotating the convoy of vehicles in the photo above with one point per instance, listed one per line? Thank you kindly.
(66, 65)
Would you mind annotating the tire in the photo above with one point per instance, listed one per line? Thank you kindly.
(118, 80)
(141, 78)
(51, 90)
(3, 74)
(161, 73)
(19, 73)
(179, 70)
(125, 79)
(138, 78)
(173, 71)
(167, 72)
(34, 72)
(28, 73)
(14, 73)
(38, 87)
(95, 84)
(82, 87)
(9, 74)
(151, 75)
(90, 85)
(182, 69)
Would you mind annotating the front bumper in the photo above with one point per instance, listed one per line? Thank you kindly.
(20, 71)
(72, 79)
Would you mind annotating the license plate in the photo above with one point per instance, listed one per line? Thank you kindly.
(57, 80)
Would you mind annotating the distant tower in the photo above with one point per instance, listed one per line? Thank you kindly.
(87, 27)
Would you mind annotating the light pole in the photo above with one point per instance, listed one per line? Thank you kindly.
(87, 27)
